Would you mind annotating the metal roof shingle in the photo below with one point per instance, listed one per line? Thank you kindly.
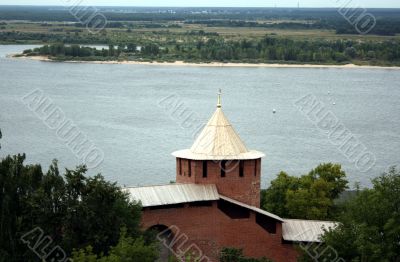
(172, 194)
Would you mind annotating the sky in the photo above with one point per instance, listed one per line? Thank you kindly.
(220, 3)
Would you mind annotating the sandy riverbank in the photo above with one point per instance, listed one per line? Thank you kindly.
(212, 64)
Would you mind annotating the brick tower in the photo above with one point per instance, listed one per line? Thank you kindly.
(218, 156)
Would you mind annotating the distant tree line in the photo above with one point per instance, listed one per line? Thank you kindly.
(70, 37)
(201, 33)
(72, 51)
(279, 49)
(118, 24)
(388, 20)
(384, 26)
(78, 36)
(268, 49)
(77, 51)
(290, 25)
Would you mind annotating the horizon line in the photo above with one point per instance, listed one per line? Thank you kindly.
(165, 6)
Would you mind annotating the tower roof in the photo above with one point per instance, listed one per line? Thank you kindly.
(218, 141)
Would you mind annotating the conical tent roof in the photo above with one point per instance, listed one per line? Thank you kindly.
(218, 138)
(218, 141)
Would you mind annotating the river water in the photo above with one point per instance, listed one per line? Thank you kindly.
(122, 110)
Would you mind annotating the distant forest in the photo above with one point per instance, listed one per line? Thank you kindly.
(266, 50)
(388, 20)
(202, 35)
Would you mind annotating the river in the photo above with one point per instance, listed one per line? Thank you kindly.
(121, 109)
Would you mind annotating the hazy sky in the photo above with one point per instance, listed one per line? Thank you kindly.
(239, 3)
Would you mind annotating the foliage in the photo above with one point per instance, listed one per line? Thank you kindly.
(274, 198)
(310, 196)
(74, 210)
(370, 228)
(236, 255)
(269, 49)
(127, 249)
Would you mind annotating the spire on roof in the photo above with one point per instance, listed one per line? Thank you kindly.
(219, 104)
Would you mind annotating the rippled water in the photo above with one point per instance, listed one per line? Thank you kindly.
(118, 108)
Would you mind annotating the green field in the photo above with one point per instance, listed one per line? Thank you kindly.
(159, 34)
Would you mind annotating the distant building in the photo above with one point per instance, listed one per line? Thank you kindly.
(215, 202)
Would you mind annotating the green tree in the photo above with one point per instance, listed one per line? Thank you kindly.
(274, 198)
(74, 210)
(350, 52)
(369, 228)
(333, 175)
(127, 249)
(97, 210)
(131, 47)
(151, 49)
(310, 200)
(310, 196)
(111, 50)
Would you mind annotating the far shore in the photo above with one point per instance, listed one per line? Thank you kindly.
(211, 64)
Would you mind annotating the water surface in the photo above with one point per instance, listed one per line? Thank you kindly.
(117, 107)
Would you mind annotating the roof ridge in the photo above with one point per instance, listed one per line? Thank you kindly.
(254, 208)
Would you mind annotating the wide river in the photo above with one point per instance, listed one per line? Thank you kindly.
(127, 112)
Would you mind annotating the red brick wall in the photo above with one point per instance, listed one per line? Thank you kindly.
(245, 189)
(185, 176)
(211, 229)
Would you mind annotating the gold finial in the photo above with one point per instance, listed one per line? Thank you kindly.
(219, 105)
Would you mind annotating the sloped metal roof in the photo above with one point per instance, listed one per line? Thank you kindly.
(218, 141)
(253, 208)
(184, 193)
(292, 229)
(305, 230)
(172, 194)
